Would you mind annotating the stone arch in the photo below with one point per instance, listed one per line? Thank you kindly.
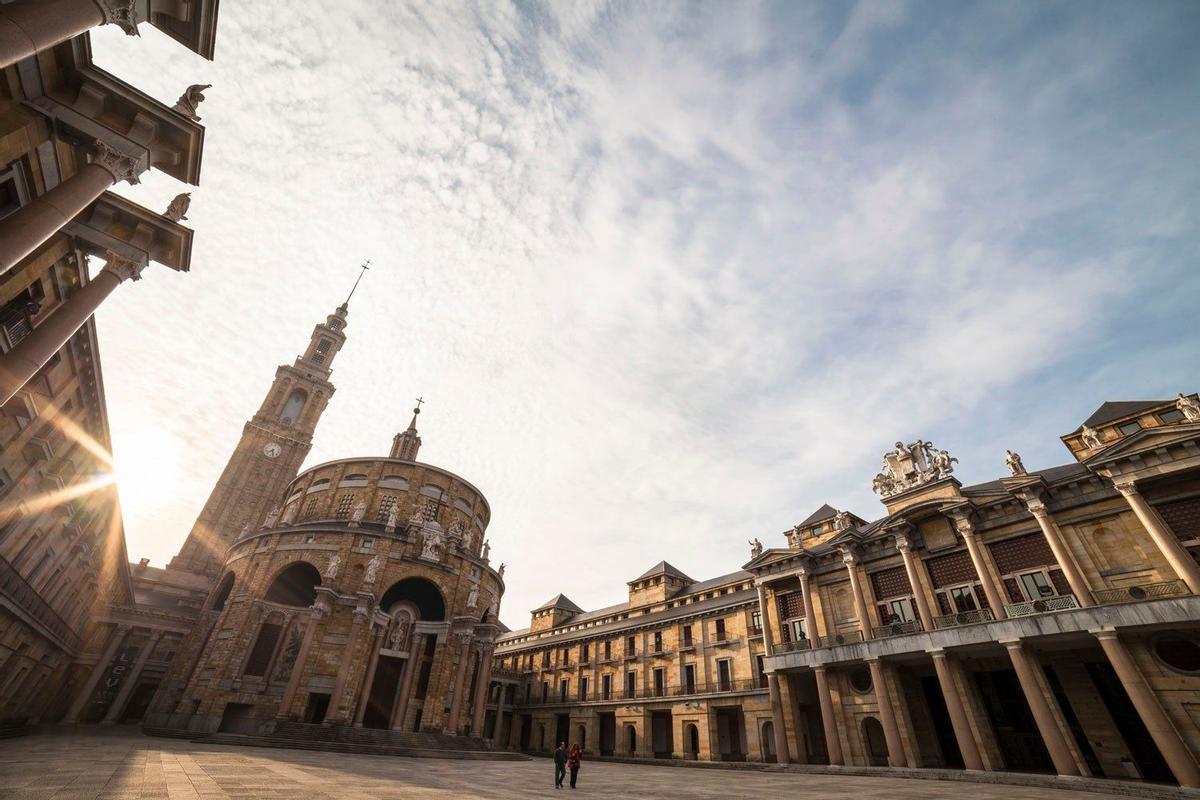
(291, 409)
(581, 736)
(295, 585)
(691, 739)
(630, 739)
(424, 595)
(221, 594)
(875, 741)
(541, 736)
(767, 733)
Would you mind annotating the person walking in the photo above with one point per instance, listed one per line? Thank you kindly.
(560, 764)
(573, 760)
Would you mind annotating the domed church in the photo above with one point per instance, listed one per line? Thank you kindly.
(357, 593)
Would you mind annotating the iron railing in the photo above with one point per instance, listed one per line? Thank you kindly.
(1043, 605)
(897, 629)
(1141, 591)
(973, 617)
(792, 647)
(653, 692)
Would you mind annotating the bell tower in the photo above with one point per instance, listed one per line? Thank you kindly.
(273, 445)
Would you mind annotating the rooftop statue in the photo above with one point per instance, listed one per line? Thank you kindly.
(910, 466)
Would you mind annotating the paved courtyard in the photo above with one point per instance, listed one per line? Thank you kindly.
(126, 765)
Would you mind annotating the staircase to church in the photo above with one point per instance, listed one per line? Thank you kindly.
(369, 741)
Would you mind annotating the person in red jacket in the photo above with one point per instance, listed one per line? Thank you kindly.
(573, 760)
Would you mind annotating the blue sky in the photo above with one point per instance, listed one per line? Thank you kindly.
(669, 275)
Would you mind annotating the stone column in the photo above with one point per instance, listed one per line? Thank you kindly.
(369, 680)
(21, 363)
(958, 713)
(411, 665)
(514, 729)
(832, 743)
(777, 718)
(1062, 553)
(483, 683)
(860, 600)
(28, 228)
(979, 561)
(361, 615)
(122, 699)
(85, 693)
(1164, 538)
(319, 609)
(1174, 751)
(887, 715)
(30, 26)
(924, 610)
(460, 680)
(810, 619)
(499, 716)
(1039, 704)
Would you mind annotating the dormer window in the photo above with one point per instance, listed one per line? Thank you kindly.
(1173, 415)
(1130, 428)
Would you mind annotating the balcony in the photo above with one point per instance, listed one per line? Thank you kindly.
(17, 589)
(1043, 605)
(662, 652)
(792, 647)
(663, 692)
(631, 657)
(1141, 591)
(961, 618)
(835, 639)
(897, 629)
(727, 641)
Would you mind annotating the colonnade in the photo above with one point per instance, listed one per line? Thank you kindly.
(1041, 701)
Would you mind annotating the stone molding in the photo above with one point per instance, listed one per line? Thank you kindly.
(121, 166)
(122, 13)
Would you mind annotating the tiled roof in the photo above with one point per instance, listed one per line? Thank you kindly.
(820, 515)
(1115, 409)
(662, 568)
(560, 601)
(1050, 475)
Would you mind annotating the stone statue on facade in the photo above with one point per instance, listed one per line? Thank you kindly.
(272, 517)
(473, 597)
(360, 511)
(910, 466)
(399, 635)
(289, 513)
(756, 548)
(1013, 461)
(179, 207)
(468, 539)
(331, 571)
(393, 516)
(372, 569)
(487, 548)
(190, 101)
(501, 570)
(842, 521)
(456, 529)
(1190, 407)
(1090, 437)
(245, 531)
(291, 651)
(494, 606)
(432, 542)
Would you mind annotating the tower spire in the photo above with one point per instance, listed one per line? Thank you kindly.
(405, 445)
(366, 265)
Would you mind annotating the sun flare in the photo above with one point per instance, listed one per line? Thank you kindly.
(147, 468)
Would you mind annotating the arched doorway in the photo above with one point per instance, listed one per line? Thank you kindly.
(581, 736)
(295, 585)
(691, 741)
(768, 742)
(876, 742)
(630, 739)
(541, 737)
(422, 593)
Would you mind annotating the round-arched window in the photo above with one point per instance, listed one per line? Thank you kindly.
(860, 679)
(1178, 653)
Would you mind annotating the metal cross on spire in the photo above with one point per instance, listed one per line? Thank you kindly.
(420, 400)
(366, 265)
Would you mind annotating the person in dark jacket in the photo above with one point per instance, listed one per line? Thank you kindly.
(560, 764)
(573, 760)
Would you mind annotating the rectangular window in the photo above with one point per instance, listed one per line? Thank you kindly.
(756, 621)
(606, 687)
(658, 641)
(345, 503)
(545, 691)
(962, 598)
(687, 635)
(724, 675)
(607, 650)
(1130, 427)
(583, 687)
(799, 629)
(630, 684)
(563, 686)
(585, 654)
(545, 659)
(1174, 415)
(631, 646)
(1036, 585)
(900, 610)
(689, 678)
(660, 685)
(564, 655)
(720, 630)
(760, 671)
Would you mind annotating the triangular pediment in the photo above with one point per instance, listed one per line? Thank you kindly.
(1145, 440)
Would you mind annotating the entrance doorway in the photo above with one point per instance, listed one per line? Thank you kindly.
(768, 742)
(630, 740)
(608, 733)
(660, 734)
(316, 708)
(730, 746)
(562, 729)
(1142, 748)
(875, 741)
(943, 728)
(691, 741)
(382, 699)
(1016, 732)
(237, 718)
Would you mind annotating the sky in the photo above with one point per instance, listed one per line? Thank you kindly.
(668, 275)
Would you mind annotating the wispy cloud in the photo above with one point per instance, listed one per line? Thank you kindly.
(670, 275)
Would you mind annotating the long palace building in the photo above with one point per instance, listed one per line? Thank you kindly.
(1045, 621)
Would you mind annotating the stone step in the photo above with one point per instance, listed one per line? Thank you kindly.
(362, 749)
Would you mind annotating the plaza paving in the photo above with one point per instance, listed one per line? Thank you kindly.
(124, 765)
